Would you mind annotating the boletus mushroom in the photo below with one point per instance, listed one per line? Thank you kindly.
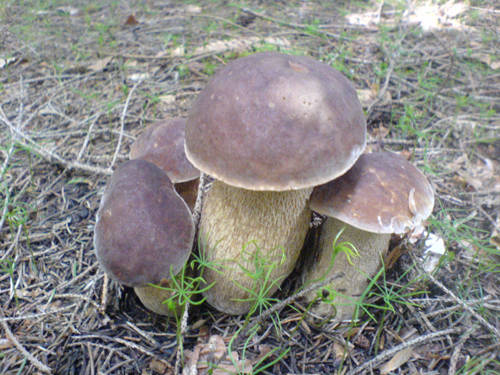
(144, 231)
(162, 144)
(381, 194)
(268, 128)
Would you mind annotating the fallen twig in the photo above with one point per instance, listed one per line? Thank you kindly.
(122, 124)
(459, 301)
(39, 365)
(454, 357)
(280, 305)
(48, 155)
(390, 352)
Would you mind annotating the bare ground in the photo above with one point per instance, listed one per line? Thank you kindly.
(79, 82)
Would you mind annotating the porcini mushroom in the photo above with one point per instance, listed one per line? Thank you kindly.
(162, 144)
(144, 231)
(268, 128)
(381, 194)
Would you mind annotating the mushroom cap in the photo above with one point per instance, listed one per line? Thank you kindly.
(271, 121)
(381, 193)
(143, 228)
(162, 144)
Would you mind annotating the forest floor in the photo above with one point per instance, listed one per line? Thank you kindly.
(80, 81)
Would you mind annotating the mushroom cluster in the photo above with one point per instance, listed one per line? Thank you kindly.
(270, 130)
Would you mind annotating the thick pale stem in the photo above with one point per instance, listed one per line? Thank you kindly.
(253, 239)
(348, 289)
(152, 298)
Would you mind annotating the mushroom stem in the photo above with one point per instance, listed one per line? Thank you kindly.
(371, 247)
(253, 238)
(152, 298)
(188, 190)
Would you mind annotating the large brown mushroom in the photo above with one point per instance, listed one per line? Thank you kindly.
(268, 128)
(381, 194)
(144, 231)
(162, 144)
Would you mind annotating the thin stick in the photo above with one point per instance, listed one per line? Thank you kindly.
(456, 352)
(87, 137)
(289, 24)
(466, 306)
(122, 123)
(199, 201)
(39, 365)
(104, 295)
(280, 305)
(8, 191)
(35, 316)
(48, 155)
(461, 303)
(180, 343)
(140, 349)
(185, 315)
(389, 353)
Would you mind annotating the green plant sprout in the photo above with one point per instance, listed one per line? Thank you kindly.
(260, 274)
(8, 266)
(185, 288)
(349, 251)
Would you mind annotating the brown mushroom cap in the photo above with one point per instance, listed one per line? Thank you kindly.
(381, 193)
(143, 229)
(162, 144)
(271, 121)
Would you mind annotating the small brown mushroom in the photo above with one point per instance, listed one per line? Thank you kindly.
(268, 127)
(381, 194)
(144, 231)
(162, 144)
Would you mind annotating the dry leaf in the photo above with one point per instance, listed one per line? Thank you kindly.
(392, 256)
(193, 9)
(212, 357)
(136, 77)
(340, 351)
(434, 250)
(226, 368)
(100, 64)
(399, 359)
(70, 10)
(368, 96)
(5, 344)
(364, 19)
(131, 21)
(219, 46)
(216, 346)
(380, 132)
(192, 358)
(4, 62)
(362, 341)
(158, 366)
(489, 60)
(168, 99)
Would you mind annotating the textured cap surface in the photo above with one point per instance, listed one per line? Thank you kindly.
(163, 144)
(143, 227)
(270, 121)
(381, 193)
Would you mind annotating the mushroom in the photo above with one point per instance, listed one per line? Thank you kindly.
(268, 128)
(144, 231)
(381, 194)
(162, 144)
